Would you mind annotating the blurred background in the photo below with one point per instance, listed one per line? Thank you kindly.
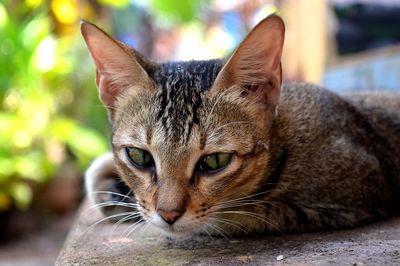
(52, 123)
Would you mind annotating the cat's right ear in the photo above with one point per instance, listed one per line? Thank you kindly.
(117, 68)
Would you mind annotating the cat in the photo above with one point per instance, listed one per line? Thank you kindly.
(223, 147)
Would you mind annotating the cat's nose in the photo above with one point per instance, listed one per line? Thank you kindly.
(170, 216)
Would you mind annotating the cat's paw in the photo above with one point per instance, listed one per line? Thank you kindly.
(107, 192)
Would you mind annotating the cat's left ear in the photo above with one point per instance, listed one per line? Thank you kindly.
(255, 66)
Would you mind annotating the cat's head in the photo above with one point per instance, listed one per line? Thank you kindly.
(190, 137)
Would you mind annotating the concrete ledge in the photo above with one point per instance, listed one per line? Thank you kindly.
(375, 244)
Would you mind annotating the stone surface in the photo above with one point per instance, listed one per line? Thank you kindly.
(105, 244)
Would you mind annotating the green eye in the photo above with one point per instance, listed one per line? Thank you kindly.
(214, 162)
(139, 158)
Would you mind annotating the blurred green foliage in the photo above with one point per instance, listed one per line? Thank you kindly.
(43, 83)
(182, 11)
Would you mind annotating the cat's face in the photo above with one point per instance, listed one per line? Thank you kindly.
(190, 161)
(188, 138)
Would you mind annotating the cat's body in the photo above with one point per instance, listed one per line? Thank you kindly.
(221, 147)
(341, 158)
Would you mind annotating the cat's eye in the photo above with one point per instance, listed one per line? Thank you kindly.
(214, 162)
(139, 157)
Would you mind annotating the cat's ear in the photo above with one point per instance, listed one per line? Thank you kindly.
(255, 66)
(117, 67)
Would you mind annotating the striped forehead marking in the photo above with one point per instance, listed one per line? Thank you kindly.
(181, 85)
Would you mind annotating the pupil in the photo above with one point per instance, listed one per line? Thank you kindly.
(143, 157)
(211, 162)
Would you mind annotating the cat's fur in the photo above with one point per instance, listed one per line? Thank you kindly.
(304, 157)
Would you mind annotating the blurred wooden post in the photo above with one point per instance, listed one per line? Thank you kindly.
(305, 49)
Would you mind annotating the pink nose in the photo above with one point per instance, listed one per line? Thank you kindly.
(170, 216)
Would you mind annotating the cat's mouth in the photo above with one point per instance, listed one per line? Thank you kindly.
(181, 229)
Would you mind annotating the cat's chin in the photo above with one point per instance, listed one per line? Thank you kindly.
(173, 233)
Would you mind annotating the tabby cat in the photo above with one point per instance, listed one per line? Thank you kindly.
(223, 147)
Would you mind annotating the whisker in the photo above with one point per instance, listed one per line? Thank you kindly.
(204, 229)
(129, 217)
(113, 203)
(244, 202)
(248, 196)
(132, 228)
(231, 223)
(112, 193)
(260, 203)
(104, 219)
(252, 214)
(219, 230)
(239, 204)
(146, 226)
